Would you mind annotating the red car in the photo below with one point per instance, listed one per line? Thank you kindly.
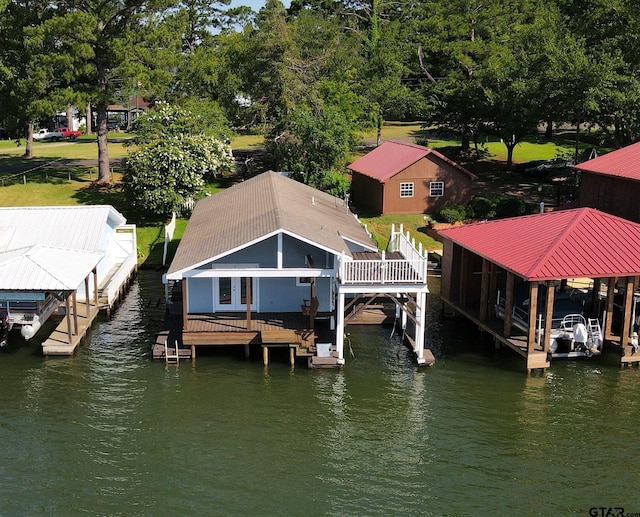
(68, 134)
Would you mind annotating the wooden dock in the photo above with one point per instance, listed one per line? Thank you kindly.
(63, 342)
(78, 316)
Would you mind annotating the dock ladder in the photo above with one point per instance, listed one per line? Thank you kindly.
(171, 355)
(594, 331)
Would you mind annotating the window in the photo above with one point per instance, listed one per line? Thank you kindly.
(406, 189)
(303, 280)
(436, 189)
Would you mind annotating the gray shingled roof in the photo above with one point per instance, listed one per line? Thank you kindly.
(262, 206)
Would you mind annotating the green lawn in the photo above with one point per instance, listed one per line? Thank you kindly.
(71, 184)
(380, 228)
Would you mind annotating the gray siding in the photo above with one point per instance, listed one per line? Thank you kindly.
(283, 295)
(200, 294)
(295, 252)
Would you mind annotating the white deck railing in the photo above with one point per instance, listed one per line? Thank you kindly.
(410, 270)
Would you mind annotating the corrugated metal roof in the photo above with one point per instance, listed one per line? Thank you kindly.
(44, 268)
(393, 157)
(582, 242)
(262, 206)
(624, 163)
(73, 227)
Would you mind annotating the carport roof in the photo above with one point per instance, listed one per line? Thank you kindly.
(582, 242)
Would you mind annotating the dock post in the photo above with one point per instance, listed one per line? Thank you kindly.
(292, 356)
(265, 355)
(246, 351)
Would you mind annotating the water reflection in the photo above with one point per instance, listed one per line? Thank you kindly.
(109, 431)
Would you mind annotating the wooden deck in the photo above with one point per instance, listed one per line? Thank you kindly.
(234, 329)
(59, 342)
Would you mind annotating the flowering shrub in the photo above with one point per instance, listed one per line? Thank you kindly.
(172, 162)
(163, 176)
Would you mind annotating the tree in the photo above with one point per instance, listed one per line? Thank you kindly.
(33, 88)
(313, 142)
(172, 162)
(102, 43)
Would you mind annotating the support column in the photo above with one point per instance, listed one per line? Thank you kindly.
(185, 315)
(493, 283)
(611, 288)
(87, 304)
(594, 297)
(67, 306)
(248, 285)
(533, 316)
(95, 286)
(265, 355)
(626, 312)
(484, 290)
(75, 312)
(548, 314)
(462, 286)
(421, 316)
(292, 356)
(340, 328)
(508, 305)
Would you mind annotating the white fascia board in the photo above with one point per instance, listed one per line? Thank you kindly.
(313, 243)
(370, 247)
(258, 273)
(182, 273)
(383, 288)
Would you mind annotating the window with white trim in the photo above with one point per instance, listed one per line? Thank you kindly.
(406, 189)
(436, 189)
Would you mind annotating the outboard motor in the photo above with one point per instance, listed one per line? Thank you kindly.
(580, 337)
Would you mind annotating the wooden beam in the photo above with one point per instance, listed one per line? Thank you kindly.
(484, 290)
(626, 311)
(508, 304)
(533, 316)
(493, 283)
(462, 286)
(248, 293)
(185, 314)
(87, 304)
(75, 312)
(95, 286)
(548, 314)
(68, 316)
(611, 288)
(595, 297)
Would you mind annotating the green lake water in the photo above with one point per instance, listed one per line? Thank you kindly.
(109, 431)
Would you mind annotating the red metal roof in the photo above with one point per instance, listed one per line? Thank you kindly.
(581, 242)
(392, 157)
(624, 163)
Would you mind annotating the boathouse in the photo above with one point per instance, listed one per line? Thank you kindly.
(272, 262)
(611, 182)
(519, 280)
(66, 260)
(403, 178)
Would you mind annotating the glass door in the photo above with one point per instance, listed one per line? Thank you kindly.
(232, 294)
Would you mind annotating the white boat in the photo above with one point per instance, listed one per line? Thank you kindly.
(575, 336)
(28, 314)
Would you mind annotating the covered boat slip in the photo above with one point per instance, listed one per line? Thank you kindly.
(515, 287)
